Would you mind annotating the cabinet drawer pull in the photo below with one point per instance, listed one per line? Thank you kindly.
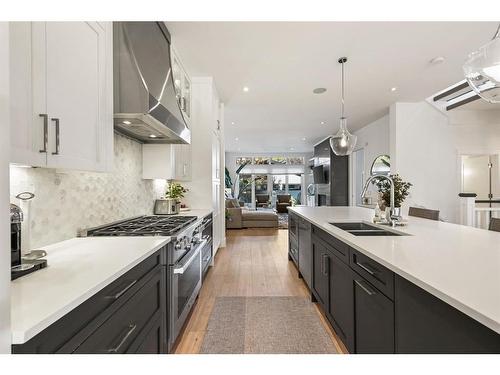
(45, 132)
(120, 293)
(367, 289)
(325, 265)
(367, 268)
(131, 330)
(56, 121)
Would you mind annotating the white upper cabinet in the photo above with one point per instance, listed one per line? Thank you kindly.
(63, 118)
(166, 161)
(182, 84)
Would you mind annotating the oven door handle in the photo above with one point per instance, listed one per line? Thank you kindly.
(184, 265)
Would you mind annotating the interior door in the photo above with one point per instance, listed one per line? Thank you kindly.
(75, 65)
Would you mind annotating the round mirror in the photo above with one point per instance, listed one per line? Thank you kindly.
(381, 165)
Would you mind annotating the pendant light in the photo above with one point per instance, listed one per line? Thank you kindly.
(482, 70)
(343, 142)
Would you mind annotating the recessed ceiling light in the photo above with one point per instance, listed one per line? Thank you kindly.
(152, 136)
(303, 139)
(291, 148)
(126, 122)
(322, 123)
(245, 89)
(232, 122)
(236, 139)
(319, 90)
(393, 89)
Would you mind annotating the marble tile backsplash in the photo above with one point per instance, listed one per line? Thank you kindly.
(68, 201)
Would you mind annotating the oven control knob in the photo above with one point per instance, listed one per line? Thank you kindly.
(178, 245)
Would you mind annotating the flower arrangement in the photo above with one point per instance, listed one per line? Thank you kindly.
(401, 190)
(175, 191)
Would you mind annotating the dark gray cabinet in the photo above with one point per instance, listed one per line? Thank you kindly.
(126, 316)
(341, 306)
(373, 310)
(426, 324)
(320, 277)
(373, 319)
(332, 288)
(305, 251)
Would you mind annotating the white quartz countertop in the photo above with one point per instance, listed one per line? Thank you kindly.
(456, 263)
(77, 269)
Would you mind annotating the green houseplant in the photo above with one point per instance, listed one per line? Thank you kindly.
(401, 190)
(175, 191)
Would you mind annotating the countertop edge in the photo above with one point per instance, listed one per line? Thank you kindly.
(474, 314)
(22, 337)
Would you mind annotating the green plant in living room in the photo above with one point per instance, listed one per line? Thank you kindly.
(175, 191)
(401, 190)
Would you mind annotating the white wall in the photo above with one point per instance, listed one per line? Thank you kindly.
(423, 152)
(4, 192)
(374, 140)
(475, 132)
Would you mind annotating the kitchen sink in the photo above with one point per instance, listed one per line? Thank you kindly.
(364, 229)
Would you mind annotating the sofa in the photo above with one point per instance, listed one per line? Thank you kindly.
(238, 217)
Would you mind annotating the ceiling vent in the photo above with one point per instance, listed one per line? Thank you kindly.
(453, 97)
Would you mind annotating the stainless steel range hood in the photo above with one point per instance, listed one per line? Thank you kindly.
(145, 103)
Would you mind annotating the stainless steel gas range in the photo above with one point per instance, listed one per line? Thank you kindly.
(186, 258)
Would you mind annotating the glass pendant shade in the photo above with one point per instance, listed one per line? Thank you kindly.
(343, 142)
(482, 71)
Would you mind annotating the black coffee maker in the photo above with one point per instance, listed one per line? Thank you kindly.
(19, 266)
(16, 218)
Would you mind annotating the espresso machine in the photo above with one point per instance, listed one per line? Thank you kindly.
(31, 262)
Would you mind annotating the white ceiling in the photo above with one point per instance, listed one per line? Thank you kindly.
(282, 62)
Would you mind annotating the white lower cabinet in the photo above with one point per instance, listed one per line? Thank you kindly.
(61, 94)
(166, 161)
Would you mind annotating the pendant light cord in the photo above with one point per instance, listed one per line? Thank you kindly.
(497, 34)
(343, 89)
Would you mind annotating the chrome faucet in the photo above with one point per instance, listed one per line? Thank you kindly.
(394, 217)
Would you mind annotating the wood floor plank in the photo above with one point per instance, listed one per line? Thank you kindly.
(253, 263)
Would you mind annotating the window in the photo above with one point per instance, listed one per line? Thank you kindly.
(243, 160)
(260, 184)
(245, 186)
(260, 161)
(296, 161)
(278, 160)
(295, 187)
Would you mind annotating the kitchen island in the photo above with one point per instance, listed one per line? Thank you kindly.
(446, 266)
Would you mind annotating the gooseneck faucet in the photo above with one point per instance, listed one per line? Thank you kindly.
(388, 178)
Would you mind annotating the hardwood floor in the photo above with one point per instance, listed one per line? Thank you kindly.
(253, 263)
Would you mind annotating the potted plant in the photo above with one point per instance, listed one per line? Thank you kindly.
(175, 191)
(401, 191)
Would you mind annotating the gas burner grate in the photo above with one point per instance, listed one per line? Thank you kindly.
(145, 226)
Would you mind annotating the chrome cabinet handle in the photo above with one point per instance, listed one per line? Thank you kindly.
(56, 121)
(121, 292)
(45, 132)
(367, 289)
(183, 104)
(131, 330)
(367, 268)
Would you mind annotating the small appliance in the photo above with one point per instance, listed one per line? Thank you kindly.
(167, 206)
(21, 265)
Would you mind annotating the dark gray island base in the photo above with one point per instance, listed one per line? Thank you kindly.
(374, 310)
